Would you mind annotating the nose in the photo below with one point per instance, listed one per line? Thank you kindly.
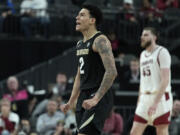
(77, 17)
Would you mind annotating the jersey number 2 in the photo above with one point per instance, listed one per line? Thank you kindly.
(81, 61)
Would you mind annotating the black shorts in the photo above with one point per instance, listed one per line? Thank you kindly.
(91, 122)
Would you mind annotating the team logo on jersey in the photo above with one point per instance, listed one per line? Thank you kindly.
(82, 52)
(88, 44)
(78, 45)
(150, 61)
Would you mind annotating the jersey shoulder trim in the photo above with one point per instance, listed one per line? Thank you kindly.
(161, 48)
(79, 43)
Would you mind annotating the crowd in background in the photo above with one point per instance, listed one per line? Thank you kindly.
(28, 112)
(25, 112)
(30, 17)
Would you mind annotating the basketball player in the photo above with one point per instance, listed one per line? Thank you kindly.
(95, 75)
(155, 99)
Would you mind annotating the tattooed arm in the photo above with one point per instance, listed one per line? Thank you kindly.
(103, 46)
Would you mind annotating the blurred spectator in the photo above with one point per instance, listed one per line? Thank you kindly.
(46, 123)
(132, 76)
(176, 108)
(113, 124)
(128, 11)
(55, 92)
(114, 42)
(61, 83)
(61, 130)
(149, 15)
(120, 58)
(18, 97)
(58, 89)
(9, 121)
(33, 12)
(5, 13)
(174, 128)
(10, 5)
(25, 128)
(42, 106)
(148, 12)
(164, 4)
(70, 121)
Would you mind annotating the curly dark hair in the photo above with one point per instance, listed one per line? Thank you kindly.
(95, 12)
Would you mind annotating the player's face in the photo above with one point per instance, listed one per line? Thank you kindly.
(83, 20)
(146, 38)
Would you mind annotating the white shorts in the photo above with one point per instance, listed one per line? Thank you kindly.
(163, 112)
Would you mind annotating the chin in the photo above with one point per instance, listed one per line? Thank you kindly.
(78, 28)
(142, 45)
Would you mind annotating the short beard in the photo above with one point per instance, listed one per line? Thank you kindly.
(147, 44)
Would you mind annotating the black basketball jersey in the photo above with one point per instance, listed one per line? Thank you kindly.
(90, 64)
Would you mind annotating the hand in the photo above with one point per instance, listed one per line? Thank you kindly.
(65, 107)
(89, 103)
(152, 109)
(59, 129)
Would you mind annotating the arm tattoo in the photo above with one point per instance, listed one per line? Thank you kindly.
(104, 49)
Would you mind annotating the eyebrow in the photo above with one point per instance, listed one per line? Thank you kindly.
(145, 34)
(82, 13)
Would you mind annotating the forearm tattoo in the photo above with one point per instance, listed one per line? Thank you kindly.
(104, 48)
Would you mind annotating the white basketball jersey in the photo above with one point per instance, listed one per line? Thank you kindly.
(150, 70)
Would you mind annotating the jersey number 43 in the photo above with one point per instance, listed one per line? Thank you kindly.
(146, 71)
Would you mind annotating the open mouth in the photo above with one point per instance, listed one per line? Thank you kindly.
(78, 23)
(142, 41)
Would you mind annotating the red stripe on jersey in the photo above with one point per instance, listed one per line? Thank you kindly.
(158, 57)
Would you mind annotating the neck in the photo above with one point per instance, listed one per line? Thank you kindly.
(151, 47)
(5, 115)
(89, 33)
(14, 93)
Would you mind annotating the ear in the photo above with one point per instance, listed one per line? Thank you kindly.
(93, 20)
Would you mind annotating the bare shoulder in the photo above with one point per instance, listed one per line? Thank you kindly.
(101, 44)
